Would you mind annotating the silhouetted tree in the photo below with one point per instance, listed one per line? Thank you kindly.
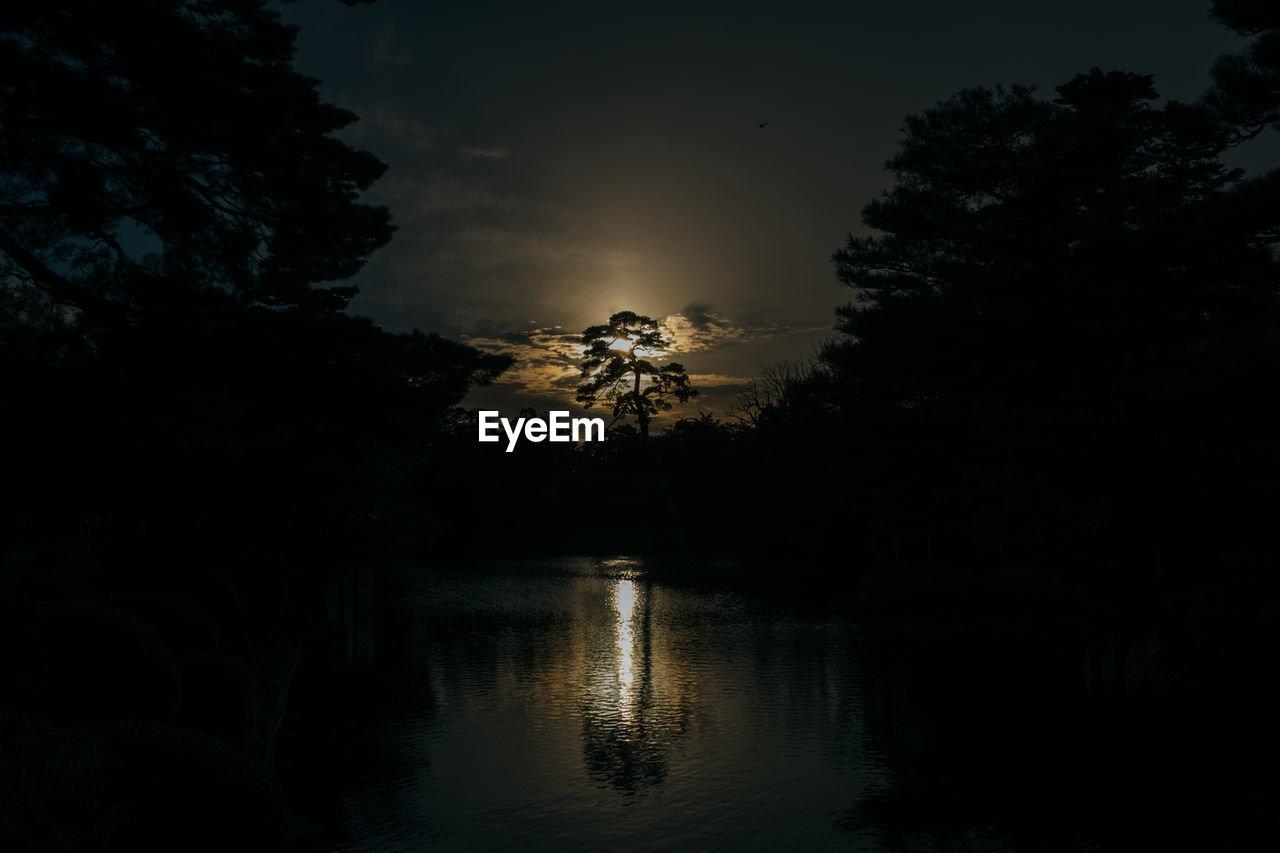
(172, 196)
(618, 369)
(1246, 85)
(781, 390)
(151, 145)
(1035, 248)
(1052, 283)
(705, 427)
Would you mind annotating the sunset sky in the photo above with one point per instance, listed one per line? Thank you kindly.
(553, 163)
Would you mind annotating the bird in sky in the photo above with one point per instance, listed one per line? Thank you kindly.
(764, 124)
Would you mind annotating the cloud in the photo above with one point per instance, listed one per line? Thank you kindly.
(488, 153)
(384, 52)
(717, 380)
(546, 360)
(699, 315)
(697, 328)
(436, 195)
(384, 122)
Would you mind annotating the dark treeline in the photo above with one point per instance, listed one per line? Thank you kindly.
(199, 443)
(1053, 401)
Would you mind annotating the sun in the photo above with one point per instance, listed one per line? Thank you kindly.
(624, 344)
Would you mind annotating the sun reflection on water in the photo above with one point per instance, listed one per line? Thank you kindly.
(624, 603)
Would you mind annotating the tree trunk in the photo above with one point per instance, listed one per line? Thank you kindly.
(641, 415)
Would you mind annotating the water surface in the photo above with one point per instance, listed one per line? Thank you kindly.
(577, 704)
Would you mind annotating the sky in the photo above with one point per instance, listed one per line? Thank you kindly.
(552, 163)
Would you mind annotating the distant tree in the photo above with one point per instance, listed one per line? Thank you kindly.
(705, 427)
(148, 145)
(618, 371)
(779, 390)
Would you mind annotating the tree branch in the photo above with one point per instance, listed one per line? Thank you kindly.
(59, 288)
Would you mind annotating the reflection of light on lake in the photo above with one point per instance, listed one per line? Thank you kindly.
(624, 602)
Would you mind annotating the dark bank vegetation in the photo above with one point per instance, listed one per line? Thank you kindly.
(1042, 449)
(200, 445)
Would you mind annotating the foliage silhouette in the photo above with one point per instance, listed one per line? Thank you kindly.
(1246, 85)
(618, 371)
(1035, 249)
(169, 145)
(198, 439)
(1063, 339)
(781, 390)
(174, 194)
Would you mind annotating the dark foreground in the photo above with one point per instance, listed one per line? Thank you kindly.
(575, 704)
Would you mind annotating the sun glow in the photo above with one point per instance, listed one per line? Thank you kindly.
(624, 345)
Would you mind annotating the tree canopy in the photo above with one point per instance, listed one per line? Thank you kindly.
(171, 144)
(618, 368)
(1033, 247)
(174, 207)
(1246, 85)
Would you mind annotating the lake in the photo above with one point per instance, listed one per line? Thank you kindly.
(577, 704)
